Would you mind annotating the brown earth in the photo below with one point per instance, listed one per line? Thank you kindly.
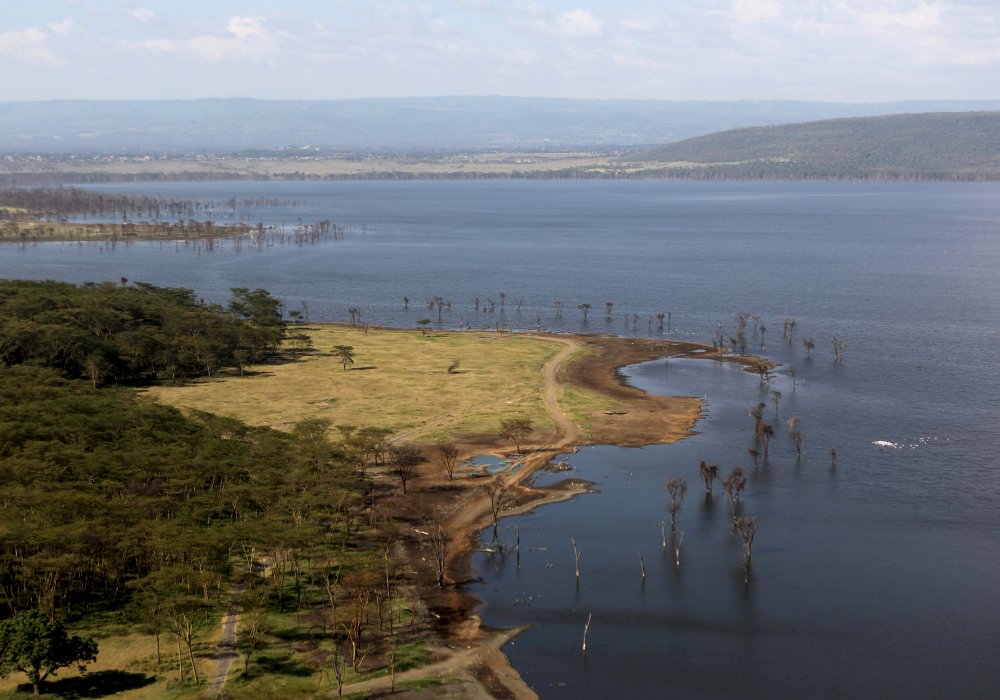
(467, 654)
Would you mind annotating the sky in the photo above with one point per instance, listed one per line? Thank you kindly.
(832, 50)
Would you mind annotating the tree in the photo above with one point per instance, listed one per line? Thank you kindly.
(746, 528)
(709, 473)
(449, 456)
(585, 309)
(405, 459)
(734, 485)
(423, 325)
(608, 305)
(677, 488)
(499, 495)
(765, 431)
(808, 344)
(515, 430)
(37, 646)
(839, 345)
(345, 353)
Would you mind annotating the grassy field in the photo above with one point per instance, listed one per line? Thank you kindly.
(400, 380)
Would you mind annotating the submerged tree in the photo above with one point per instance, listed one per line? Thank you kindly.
(499, 494)
(839, 345)
(677, 488)
(584, 309)
(709, 473)
(746, 528)
(809, 345)
(734, 485)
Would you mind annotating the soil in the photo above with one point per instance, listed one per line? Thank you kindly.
(469, 654)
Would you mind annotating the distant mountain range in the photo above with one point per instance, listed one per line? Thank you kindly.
(934, 146)
(402, 125)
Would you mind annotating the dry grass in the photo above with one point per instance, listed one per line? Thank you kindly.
(400, 380)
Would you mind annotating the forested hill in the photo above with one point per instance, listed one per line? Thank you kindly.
(963, 145)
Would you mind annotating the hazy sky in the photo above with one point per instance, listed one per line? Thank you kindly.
(842, 50)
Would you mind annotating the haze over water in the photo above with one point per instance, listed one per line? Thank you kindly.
(877, 579)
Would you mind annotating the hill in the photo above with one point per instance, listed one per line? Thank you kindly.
(400, 124)
(963, 145)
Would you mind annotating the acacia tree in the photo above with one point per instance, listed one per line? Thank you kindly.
(405, 459)
(449, 456)
(345, 353)
(35, 645)
(584, 309)
(516, 429)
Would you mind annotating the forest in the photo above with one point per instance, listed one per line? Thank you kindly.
(118, 508)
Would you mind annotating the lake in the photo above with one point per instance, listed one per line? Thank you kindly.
(878, 578)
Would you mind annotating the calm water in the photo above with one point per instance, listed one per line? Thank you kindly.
(877, 579)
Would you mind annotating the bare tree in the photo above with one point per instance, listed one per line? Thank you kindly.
(808, 344)
(754, 455)
(794, 434)
(776, 399)
(746, 528)
(449, 457)
(833, 458)
(500, 497)
(607, 309)
(709, 473)
(839, 345)
(677, 488)
(765, 432)
(439, 551)
(584, 309)
(405, 458)
(515, 430)
(559, 303)
(576, 560)
(793, 372)
(757, 413)
(734, 485)
(406, 303)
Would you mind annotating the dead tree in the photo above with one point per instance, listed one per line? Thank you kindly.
(607, 309)
(584, 309)
(746, 528)
(677, 488)
(576, 558)
(499, 494)
(808, 344)
(765, 432)
(709, 473)
(439, 551)
(839, 345)
(734, 485)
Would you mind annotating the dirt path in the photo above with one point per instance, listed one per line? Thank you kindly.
(226, 652)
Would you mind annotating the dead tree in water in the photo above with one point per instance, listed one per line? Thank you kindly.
(839, 345)
(497, 490)
(808, 344)
(746, 528)
(794, 434)
(709, 473)
(584, 309)
(607, 309)
(677, 488)
(576, 558)
(765, 432)
(734, 485)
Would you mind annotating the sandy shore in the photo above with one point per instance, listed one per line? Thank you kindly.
(468, 654)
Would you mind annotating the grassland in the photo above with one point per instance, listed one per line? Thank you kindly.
(400, 380)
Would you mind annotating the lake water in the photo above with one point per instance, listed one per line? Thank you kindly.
(879, 578)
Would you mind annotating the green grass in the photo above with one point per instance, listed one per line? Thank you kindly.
(400, 380)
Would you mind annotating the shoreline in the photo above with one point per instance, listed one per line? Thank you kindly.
(475, 650)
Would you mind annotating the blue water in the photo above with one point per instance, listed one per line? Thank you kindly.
(876, 579)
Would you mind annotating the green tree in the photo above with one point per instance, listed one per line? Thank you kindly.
(345, 353)
(37, 646)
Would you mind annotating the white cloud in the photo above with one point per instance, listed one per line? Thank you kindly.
(576, 23)
(142, 14)
(28, 45)
(246, 38)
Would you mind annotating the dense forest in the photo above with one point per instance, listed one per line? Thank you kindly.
(963, 146)
(111, 333)
(118, 508)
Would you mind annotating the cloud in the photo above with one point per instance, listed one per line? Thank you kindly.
(246, 38)
(29, 45)
(142, 15)
(577, 24)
